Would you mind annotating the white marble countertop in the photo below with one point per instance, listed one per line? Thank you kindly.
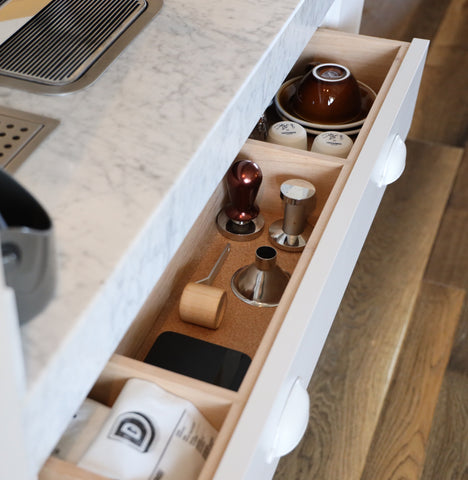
(129, 168)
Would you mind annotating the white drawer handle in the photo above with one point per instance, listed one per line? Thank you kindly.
(293, 421)
(394, 163)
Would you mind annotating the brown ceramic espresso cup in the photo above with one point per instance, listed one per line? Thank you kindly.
(327, 94)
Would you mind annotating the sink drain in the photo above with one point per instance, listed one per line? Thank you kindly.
(20, 133)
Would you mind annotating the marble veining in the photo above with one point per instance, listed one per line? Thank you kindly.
(126, 173)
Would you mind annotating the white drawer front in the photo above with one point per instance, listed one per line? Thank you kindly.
(306, 326)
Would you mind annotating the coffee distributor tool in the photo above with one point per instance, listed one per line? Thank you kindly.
(240, 219)
(201, 303)
(299, 199)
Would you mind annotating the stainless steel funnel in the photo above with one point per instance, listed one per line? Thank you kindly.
(263, 282)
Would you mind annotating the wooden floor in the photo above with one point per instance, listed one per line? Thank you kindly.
(389, 397)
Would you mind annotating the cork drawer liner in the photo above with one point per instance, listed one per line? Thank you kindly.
(246, 328)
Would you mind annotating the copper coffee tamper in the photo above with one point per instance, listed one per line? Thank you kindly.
(240, 219)
(290, 232)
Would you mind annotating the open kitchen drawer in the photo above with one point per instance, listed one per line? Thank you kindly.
(285, 342)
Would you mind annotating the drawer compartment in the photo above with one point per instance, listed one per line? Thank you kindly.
(283, 343)
(216, 405)
(244, 326)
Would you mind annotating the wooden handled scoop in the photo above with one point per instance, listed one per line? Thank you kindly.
(200, 302)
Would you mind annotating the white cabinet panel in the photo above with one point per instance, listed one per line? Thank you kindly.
(14, 459)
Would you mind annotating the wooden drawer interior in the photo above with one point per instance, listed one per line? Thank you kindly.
(373, 61)
(251, 330)
(370, 59)
(217, 405)
(244, 326)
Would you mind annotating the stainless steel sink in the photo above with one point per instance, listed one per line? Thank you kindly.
(67, 44)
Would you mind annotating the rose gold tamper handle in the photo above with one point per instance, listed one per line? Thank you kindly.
(299, 199)
(240, 219)
(201, 303)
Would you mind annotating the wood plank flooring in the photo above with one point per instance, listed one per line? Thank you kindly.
(353, 375)
(442, 109)
(338, 435)
(403, 19)
(449, 259)
(447, 452)
(398, 449)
